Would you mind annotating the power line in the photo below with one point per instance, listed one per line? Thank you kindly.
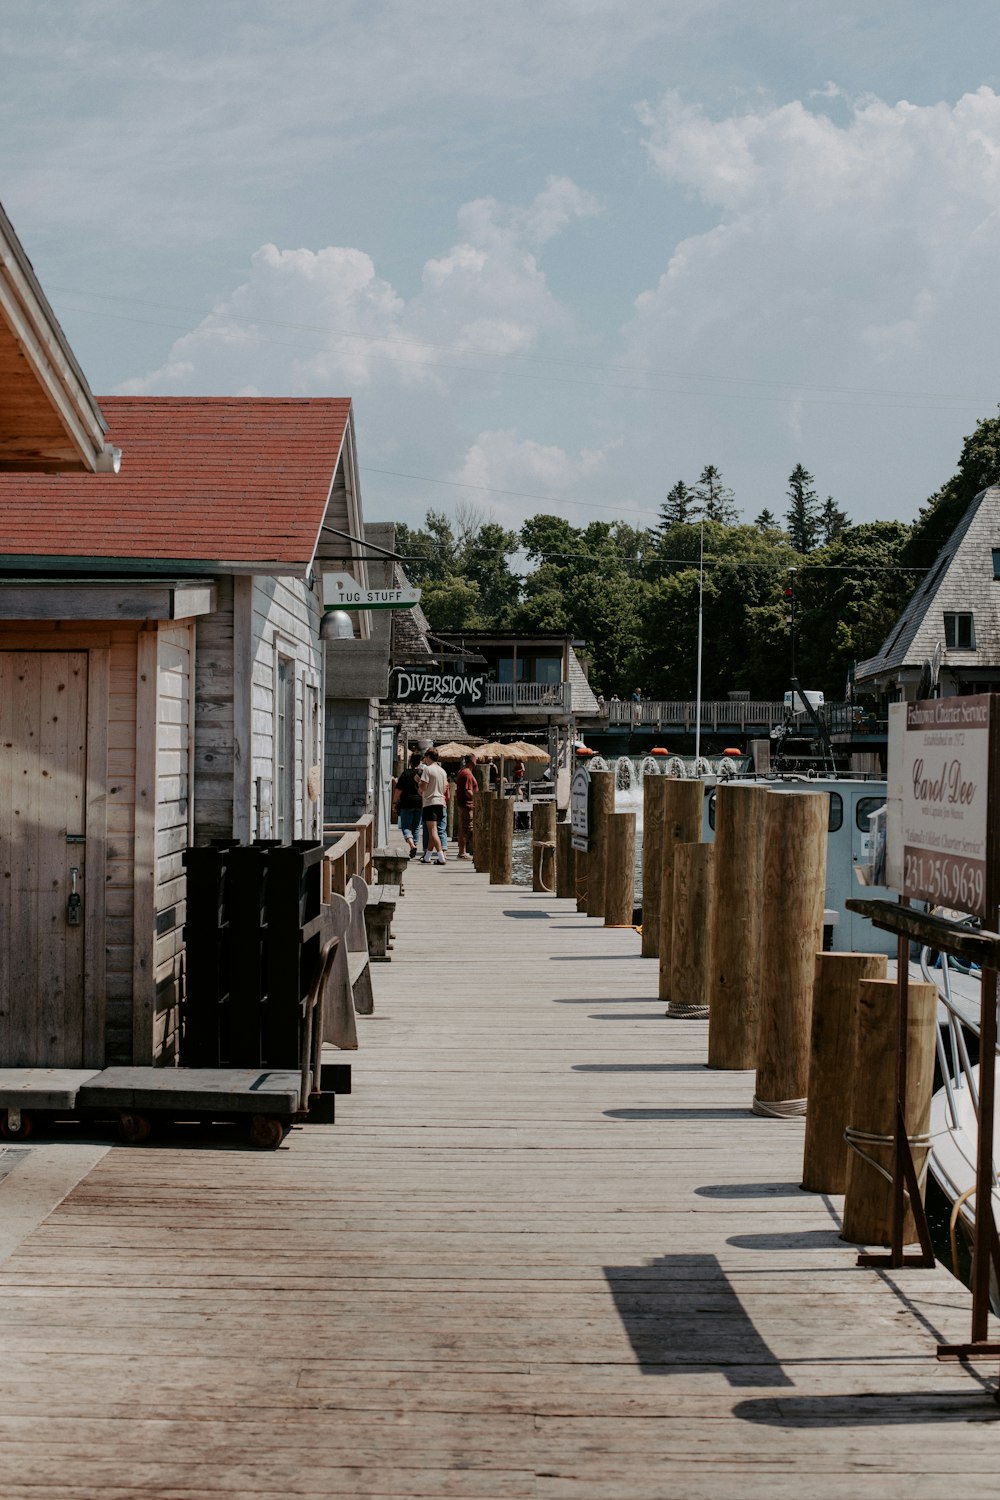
(873, 398)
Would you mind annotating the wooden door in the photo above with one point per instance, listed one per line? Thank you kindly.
(43, 802)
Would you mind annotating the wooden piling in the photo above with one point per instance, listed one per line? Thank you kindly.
(682, 815)
(693, 907)
(543, 847)
(868, 1200)
(565, 862)
(832, 1048)
(481, 829)
(582, 864)
(734, 989)
(619, 870)
(602, 802)
(654, 806)
(501, 841)
(792, 898)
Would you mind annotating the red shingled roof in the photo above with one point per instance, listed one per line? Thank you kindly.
(241, 481)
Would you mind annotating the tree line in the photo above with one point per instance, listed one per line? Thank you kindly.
(631, 593)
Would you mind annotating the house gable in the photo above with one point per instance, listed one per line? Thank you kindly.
(49, 420)
(961, 582)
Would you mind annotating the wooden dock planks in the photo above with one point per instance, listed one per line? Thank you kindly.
(545, 1253)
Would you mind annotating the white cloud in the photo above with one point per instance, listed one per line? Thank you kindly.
(309, 321)
(850, 259)
(502, 460)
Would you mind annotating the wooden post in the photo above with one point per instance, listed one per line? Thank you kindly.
(501, 841)
(619, 870)
(792, 897)
(565, 862)
(682, 815)
(602, 802)
(654, 807)
(832, 1065)
(693, 905)
(582, 863)
(868, 1200)
(543, 832)
(734, 990)
(481, 829)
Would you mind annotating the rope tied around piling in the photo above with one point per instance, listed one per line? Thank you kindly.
(779, 1109)
(677, 1011)
(858, 1139)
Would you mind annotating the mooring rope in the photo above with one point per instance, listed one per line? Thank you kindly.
(680, 1012)
(779, 1109)
(857, 1139)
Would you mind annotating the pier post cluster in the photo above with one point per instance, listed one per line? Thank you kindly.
(737, 932)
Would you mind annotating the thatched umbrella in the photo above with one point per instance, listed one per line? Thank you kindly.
(521, 750)
(453, 751)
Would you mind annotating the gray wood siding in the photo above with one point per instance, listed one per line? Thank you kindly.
(175, 648)
(215, 737)
(285, 617)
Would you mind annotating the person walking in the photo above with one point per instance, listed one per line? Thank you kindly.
(466, 788)
(409, 803)
(433, 786)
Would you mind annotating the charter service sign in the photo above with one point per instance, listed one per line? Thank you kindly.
(945, 785)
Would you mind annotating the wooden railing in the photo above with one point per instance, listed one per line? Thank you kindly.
(556, 696)
(349, 853)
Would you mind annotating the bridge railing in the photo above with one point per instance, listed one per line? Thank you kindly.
(735, 713)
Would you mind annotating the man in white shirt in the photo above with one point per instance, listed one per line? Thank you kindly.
(433, 786)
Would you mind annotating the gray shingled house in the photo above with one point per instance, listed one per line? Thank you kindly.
(949, 633)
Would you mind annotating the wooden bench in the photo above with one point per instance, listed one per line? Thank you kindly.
(390, 864)
(380, 908)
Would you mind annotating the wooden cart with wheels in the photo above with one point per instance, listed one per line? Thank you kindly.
(139, 1098)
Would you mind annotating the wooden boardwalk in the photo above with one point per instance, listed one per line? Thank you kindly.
(544, 1253)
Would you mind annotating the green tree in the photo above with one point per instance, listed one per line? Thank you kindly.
(679, 507)
(832, 522)
(802, 515)
(714, 500)
(978, 466)
(766, 521)
(451, 604)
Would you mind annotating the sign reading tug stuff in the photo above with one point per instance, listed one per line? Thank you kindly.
(946, 803)
(424, 685)
(341, 591)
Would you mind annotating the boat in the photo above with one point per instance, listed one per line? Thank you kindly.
(954, 1123)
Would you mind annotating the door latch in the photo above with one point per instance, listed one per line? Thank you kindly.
(74, 906)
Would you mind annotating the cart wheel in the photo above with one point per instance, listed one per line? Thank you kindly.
(266, 1132)
(15, 1132)
(134, 1128)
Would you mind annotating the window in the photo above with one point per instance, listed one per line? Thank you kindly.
(545, 669)
(996, 562)
(866, 806)
(959, 632)
(833, 822)
(284, 751)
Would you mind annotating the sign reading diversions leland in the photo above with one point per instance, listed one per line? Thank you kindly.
(945, 786)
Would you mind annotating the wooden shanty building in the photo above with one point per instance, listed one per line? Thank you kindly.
(161, 683)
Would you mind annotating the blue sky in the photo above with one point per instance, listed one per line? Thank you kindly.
(571, 250)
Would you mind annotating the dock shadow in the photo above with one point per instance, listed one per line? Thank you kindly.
(543, 916)
(895, 1409)
(728, 1190)
(638, 1067)
(677, 1114)
(712, 1331)
(608, 1000)
(624, 1015)
(793, 1239)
